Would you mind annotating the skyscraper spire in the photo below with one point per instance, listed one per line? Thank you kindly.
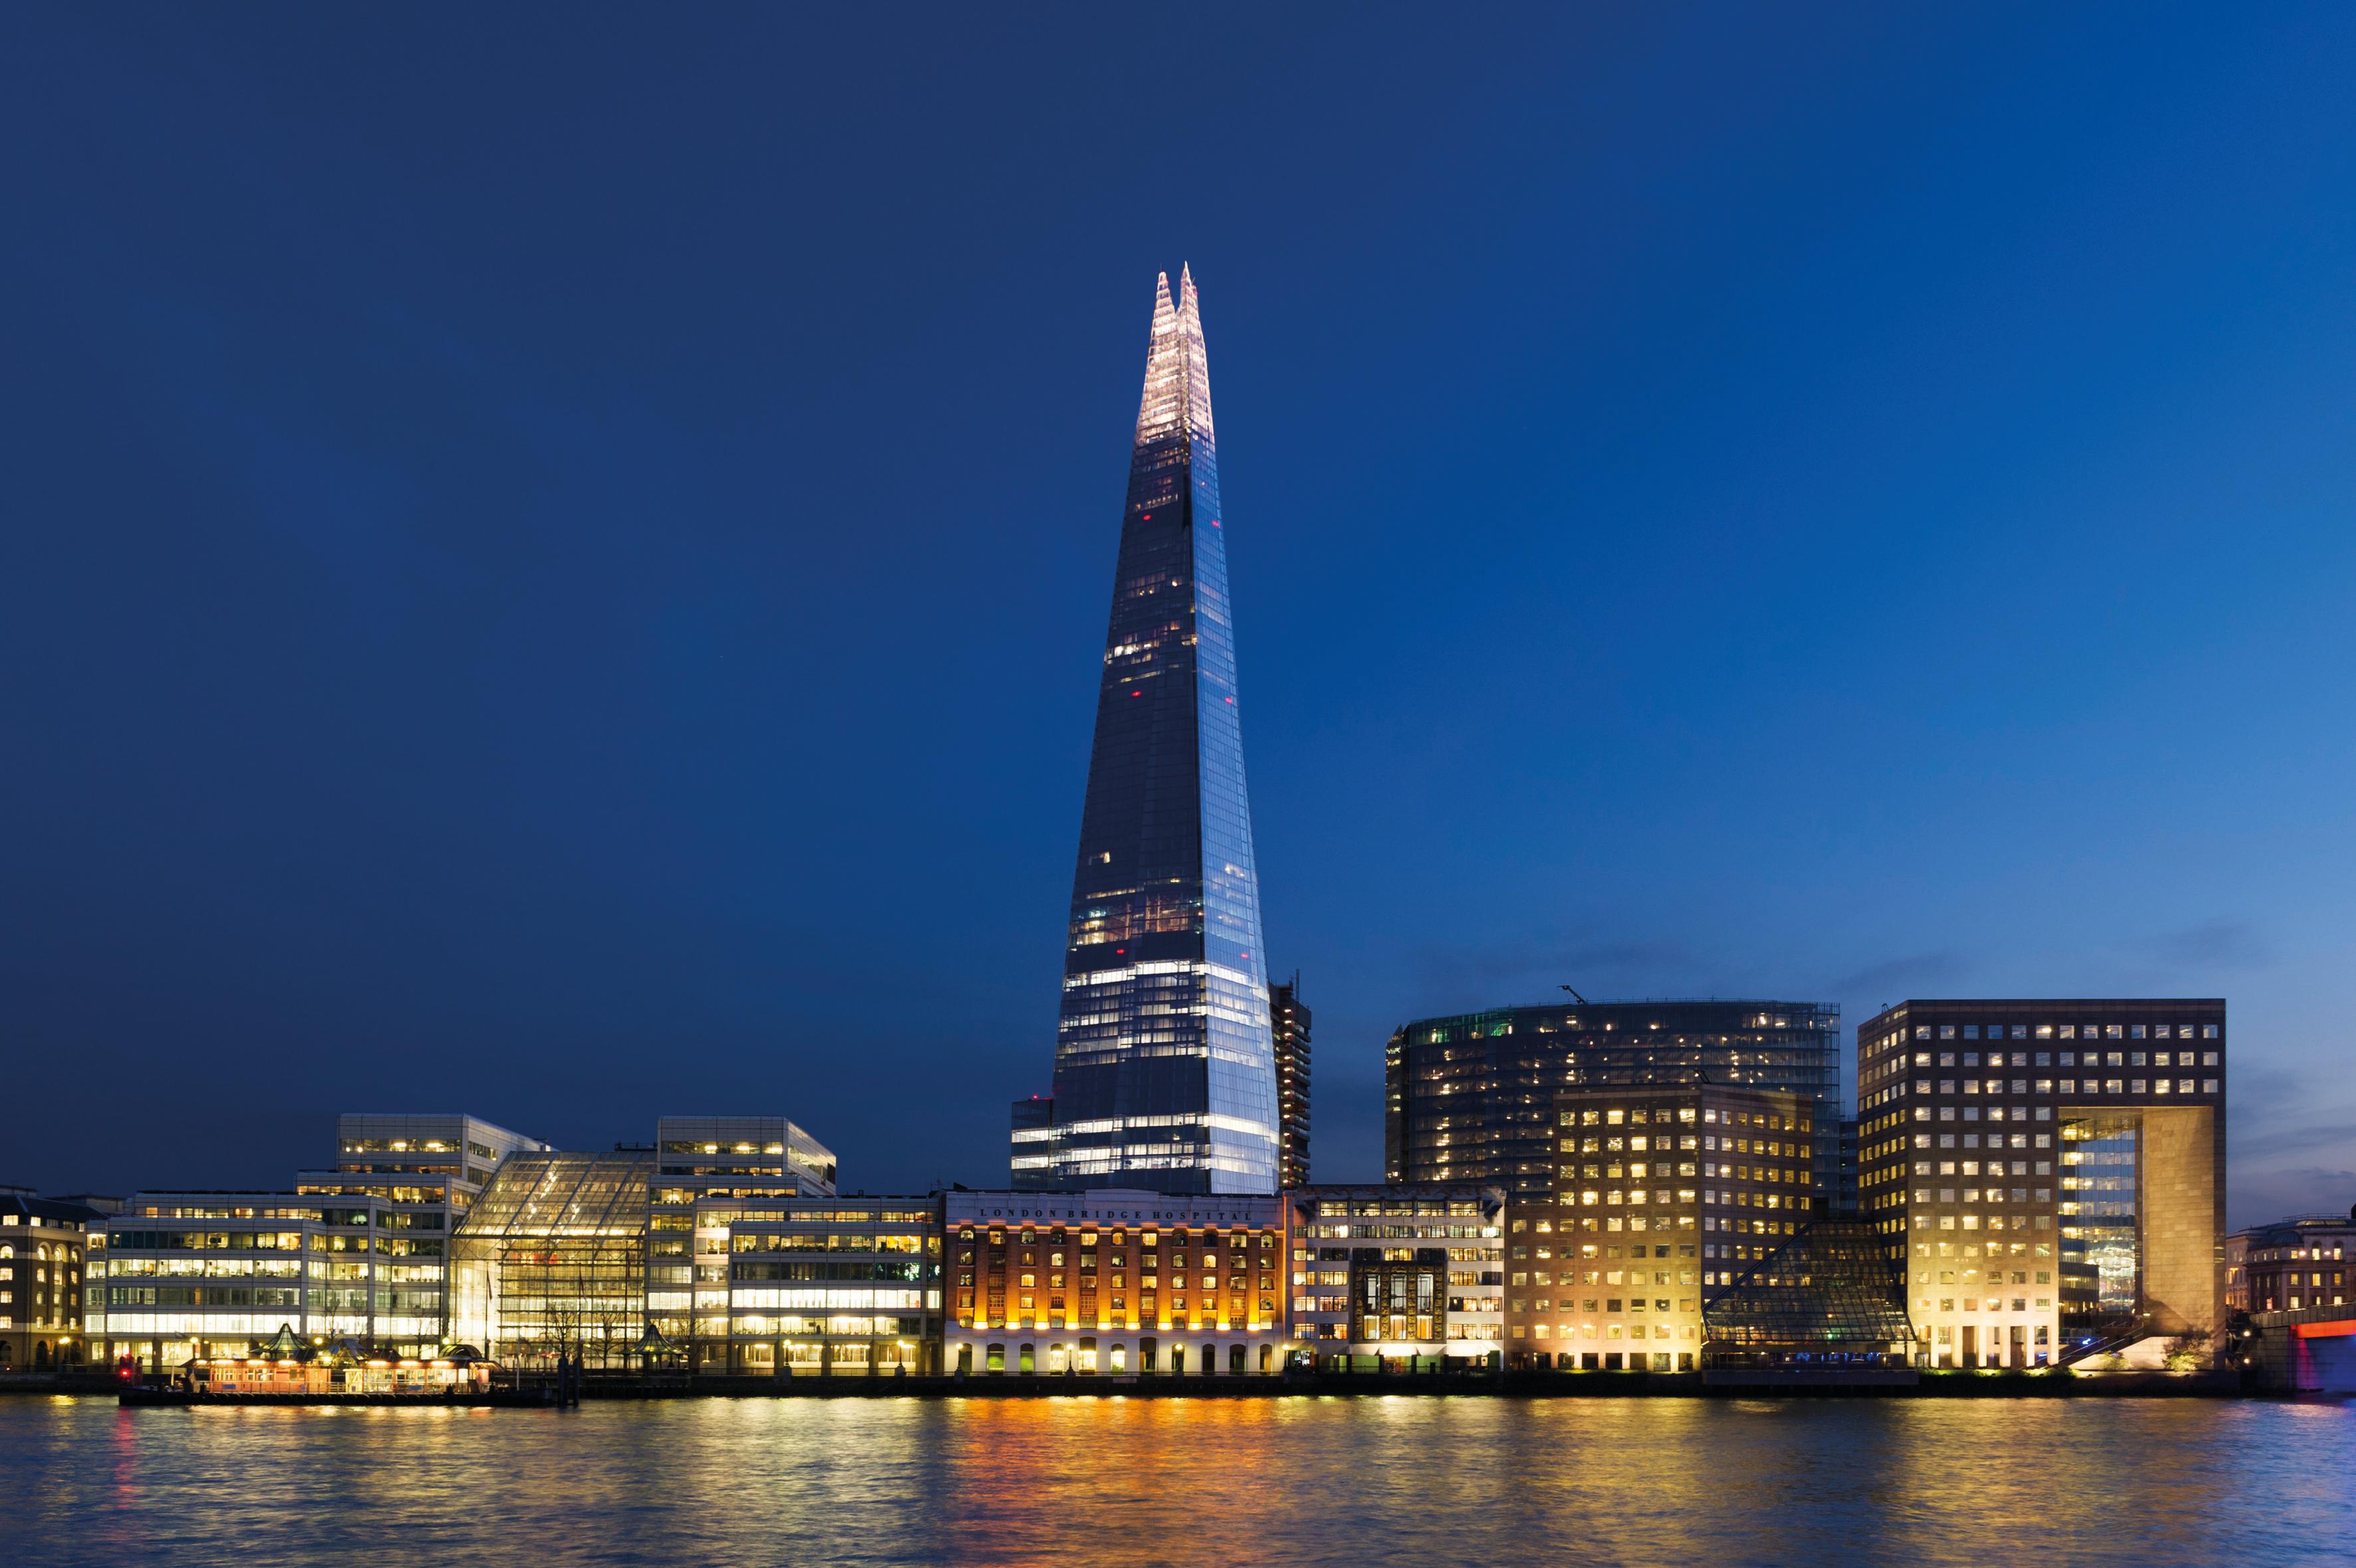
(1165, 1075)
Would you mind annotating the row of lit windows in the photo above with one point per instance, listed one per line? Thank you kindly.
(1614, 1331)
(415, 1145)
(1345, 1209)
(2074, 1087)
(2070, 1059)
(2063, 1031)
(1992, 1303)
(1609, 1305)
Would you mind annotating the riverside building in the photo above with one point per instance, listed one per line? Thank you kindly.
(418, 1215)
(2049, 1174)
(427, 1170)
(197, 1276)
(552, 1259)
(462, 1151)
(739, 1157)
(1471, 1098)
(45, 1246)
(1165, 1075)
(1658, 1196)
(819, 1286)
(1115, 1283)
(1398, 1276)
(2305, 1261)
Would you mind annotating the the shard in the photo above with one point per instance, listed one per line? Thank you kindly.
(1165, 1075)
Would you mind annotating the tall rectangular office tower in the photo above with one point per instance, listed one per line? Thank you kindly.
(2049, 1174)
(1165, 1075)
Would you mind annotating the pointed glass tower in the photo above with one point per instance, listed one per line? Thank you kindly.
(1165, 1075)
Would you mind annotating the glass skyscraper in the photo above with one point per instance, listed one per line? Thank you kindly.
(1165, 1075)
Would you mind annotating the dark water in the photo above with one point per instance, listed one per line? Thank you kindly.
(1990, 1484)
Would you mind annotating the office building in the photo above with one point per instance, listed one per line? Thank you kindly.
(2292, 1265)
(427, 1170)
(1471, 1098)
(765, 1154)
(716, 1156)
(2049, 1174)
(1659, 1195)
(552, 1260)
(1165, 1074)
(416, 1216)
(1289, 1028)
(463, 1151)
(199, 1275)
(44, 1250)
(1398, 1277)
(1115, 1283)
(816, 1286)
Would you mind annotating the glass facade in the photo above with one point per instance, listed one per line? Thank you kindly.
(1827, 1296)
(2100, 1272)
(552, 1259)
(1471, 1098)
(1165, 1075)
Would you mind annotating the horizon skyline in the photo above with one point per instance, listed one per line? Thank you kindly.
(577, 593)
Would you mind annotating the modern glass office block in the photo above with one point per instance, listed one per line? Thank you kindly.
(1165, 1075)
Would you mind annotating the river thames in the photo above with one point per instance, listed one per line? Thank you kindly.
(1986, 1483)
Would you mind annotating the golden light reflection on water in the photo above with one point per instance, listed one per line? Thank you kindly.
(1134, 1481)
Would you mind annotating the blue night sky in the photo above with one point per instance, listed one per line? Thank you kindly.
(555, 566)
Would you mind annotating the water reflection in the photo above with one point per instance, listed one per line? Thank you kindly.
(1084, 1481)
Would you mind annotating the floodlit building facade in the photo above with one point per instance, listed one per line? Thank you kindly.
(1115, 1283)
(427, 1170)
(45, 1246)
(739, 1157)
(817, 1286)
(1659, 1196)
(2050, 1174)
(552, 1260)
(2292, 1265)
(1165, 1075)
(1471, 1098)
(197, 1276)
(461, 1150)
(1398, 1276)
